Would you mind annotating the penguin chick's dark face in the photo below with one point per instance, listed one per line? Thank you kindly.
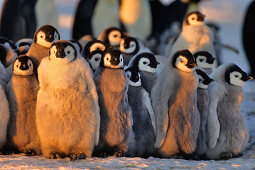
(146, 62)
(62, 52)
(234, 75)
(23, 65)
(133, 76)
(184, 60)
(113, 59)
(129, 45)
(204, 59)
(94, 59)
(46, 35)
(114, 35)
(195, 18)
(203, 78)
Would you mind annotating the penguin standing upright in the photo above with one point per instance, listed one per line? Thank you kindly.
(147, 64)
(116, 134)
(22, 95)
(202, 106)
(67, 110)
(143, 115)
(42, 41)
(227, 132)
(174, 100)
(205, 61)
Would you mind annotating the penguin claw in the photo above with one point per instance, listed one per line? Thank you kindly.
(30, 152)
(76, 156)
(119, 154)
(56, 156)
(226, 155)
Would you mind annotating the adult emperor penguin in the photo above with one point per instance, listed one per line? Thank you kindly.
(143, 115)
(147, 64)
(22, 95)
(202, 106)
(195, 35)
(67, 110)
(227, 131)
(4, 105)
(93, 52)
(205, 60)
(42, 41)
(112, 36)
(116, 134)
(174, 100)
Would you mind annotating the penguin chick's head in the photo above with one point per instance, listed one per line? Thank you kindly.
(234, 75)
(145, 62)
(203, 78)
(129, 45)
(194, 18)
(204, 59)
(45, 35)
(184, 60)
(94, 59)
(23, 65)
(77, 45)
(92, 46)
(112, 59)
(133, 76)
(62, 51)
(113, 35)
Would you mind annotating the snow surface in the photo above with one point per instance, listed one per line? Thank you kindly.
(229, 14)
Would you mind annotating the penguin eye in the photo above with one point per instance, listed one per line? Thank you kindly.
(17, 66)
(193, 18)
(121, 59)
(236, 76)
(201, 60)
(41, 36)
(68, 52)
(115, 35)
(144, 62)
(30, 65)
(96, 59)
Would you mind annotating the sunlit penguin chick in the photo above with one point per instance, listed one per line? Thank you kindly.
(112, 36)
(226, 128)
(174, 100)
(205, 60)
(116, 134)
(67, 110)
(42, 41)
(147, 64)
(22, 95)
(202, 106)
(144, 126)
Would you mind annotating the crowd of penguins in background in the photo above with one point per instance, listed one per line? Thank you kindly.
(112, 96)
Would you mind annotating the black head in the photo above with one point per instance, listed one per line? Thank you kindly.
(194, 18)
(129, 45)
(204, 79)
(62, 51)
(133, 76)
(183, 60)
(94, 45)
(3, 53)
(234, 75)
(204, 56)
(145, 62)
(45, 35)
(113, 35)
(23, 65)
(112, 59)
(94, 59)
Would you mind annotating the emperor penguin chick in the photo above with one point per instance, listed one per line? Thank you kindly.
(22, 95)
(147, 65)
(174, 100)
(67, 111)
(195, 35)
(143, 115)
(202, 106)
(205, 61)
(116, 135)
(42, 41)
(227, 131)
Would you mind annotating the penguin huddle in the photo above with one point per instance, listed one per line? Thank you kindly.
(66, 99)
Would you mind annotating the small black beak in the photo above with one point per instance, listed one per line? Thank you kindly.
(191, 65)
(49, 38)
(24, 67)
(60, 54)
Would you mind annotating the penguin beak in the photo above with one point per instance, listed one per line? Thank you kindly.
(24, 67)
(251, 78)
(60, 54)
(191, 65)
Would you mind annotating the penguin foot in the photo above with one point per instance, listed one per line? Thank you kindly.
(119, 154)
(226, 155)
(76, 156)
(56, 156)
(30, 152)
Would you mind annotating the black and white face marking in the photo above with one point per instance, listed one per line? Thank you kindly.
(146, 62)
(113, 59)
(46, 35)
(24, 42)
(94, 59)
(195, 18)
(234, 75)
(23, 65)
(129, 45)
(133, 76)
(62, 51)
(114, 35)
(204, 59)
(203, 78)
(184, 60)
(92, 46)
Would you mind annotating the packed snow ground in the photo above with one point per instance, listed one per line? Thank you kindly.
(229, 14)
